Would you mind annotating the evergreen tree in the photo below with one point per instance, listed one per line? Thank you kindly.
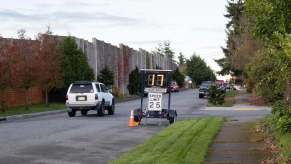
(165, 49)
(106, 77)
(234, 14)
(134, 82)
(181, 58)
(198, 70)
(178, 77)
(74, 63)
(168, 50)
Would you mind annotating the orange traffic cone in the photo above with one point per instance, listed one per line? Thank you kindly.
(131, 122)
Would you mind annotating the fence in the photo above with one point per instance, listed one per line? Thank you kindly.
(121, 60)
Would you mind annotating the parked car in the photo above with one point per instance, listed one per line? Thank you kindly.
(204, 88)
(84, 96)
(174, 87)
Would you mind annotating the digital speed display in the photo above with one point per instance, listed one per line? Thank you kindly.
(156, 80)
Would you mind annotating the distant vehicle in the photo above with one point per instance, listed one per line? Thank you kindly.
(220, 82)
(84, 96)
(222, 88)
(174, 87)
(204, 88)
(221, 85)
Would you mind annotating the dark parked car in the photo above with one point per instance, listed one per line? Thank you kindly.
(174, 87)
(204, 88)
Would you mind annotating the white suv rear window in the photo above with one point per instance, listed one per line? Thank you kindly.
(82, 88)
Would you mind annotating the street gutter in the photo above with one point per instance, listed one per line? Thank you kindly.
(31, 115)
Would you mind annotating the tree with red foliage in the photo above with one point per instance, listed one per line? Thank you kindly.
(28, 68)
(50, 70)
(4, 72)
(9, 69)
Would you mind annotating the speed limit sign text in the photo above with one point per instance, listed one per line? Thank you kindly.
(155, 101)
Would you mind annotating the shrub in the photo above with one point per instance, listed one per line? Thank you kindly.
(216, 96)
(116, 92)
(279, 108)
(281, 118)
(284, 124)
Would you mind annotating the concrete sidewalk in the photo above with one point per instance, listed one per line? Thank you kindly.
(237, 142)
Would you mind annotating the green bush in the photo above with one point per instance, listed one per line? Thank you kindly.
(281, 118)
(216, 96)
(284, 124)
(279, 108)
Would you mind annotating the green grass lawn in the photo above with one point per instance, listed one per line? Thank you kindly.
(32, 109)
(231, 93)
(183, 142)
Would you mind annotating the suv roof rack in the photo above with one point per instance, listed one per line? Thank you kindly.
(82, 82)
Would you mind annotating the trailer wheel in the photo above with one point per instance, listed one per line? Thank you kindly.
(172, 120)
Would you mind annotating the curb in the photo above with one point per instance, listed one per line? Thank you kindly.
(24, 116)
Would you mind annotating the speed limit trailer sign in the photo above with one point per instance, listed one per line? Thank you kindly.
(155, 101)
(155, 83)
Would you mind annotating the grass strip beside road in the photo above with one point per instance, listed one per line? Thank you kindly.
(32, 109)
(229, 99)
(231, 93)
(183, 142)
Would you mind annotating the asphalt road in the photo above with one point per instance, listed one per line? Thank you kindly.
(58, 139)
(90, 139)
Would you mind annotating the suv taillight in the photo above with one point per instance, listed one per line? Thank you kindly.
(96, 97)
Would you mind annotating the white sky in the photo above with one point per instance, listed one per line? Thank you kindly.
(191, 25)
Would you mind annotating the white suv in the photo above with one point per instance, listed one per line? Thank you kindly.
(84, 96)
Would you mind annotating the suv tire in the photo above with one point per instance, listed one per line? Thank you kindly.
(72, 113)
(111, 108)
(101, 110)
(84, 112)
